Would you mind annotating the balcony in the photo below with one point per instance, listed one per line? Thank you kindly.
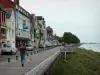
(3, 36)
(3, 24)
(23, 34)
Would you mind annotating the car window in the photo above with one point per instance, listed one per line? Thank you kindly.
(4, 45)
(28, 45)
(7, 45)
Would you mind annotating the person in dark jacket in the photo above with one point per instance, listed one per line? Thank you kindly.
(22, 54)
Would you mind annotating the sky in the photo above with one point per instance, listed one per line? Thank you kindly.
(81, 17)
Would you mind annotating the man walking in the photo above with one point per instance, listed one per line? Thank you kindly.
(22, 53)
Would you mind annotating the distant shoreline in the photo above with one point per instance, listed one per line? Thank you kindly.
(93, 47)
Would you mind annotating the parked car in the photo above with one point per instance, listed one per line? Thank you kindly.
(6, 48)
(29, 47)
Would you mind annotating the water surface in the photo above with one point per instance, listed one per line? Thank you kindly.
(94, 47)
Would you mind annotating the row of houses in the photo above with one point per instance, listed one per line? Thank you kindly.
(19, 26)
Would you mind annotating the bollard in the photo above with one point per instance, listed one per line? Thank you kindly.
(34, 52)
(39, 51)
(8, 59)
(16, 57)
(31, 53)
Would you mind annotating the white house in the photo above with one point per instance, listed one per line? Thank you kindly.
(41, 25)
(10, 23)
(23, 24)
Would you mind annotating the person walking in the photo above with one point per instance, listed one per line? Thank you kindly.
(22, 53)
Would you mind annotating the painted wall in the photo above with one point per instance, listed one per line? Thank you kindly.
(11, 29)
(22, 19)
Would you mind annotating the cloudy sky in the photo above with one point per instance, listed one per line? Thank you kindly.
(81, 17)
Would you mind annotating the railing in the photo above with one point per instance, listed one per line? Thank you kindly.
(42, 66)
(68, 49)
(23, 33)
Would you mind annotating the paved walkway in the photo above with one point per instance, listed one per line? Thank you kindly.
(15, 68)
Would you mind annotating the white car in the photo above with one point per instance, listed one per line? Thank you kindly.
(6, 48)
(29, 47)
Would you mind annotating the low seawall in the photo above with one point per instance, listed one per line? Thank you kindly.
(51, 68)
(45, 68)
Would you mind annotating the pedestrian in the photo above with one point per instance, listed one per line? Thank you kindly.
(22, 53)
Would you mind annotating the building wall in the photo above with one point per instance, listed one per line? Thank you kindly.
(31, 42)
(36, 32)
(11, 29)
(2, 25)
(20, 31)
(42, 30)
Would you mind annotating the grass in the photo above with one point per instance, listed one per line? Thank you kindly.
(83, 62)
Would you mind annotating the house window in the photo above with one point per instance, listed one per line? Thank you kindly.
(24, 22)
(13, 25)
(12, 33)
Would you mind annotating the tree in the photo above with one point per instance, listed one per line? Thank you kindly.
(68, 37)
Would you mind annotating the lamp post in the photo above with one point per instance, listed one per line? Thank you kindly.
(65, 49)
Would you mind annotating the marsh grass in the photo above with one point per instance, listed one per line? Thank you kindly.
(83, 62)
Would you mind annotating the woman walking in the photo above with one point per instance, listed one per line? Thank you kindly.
(22, 53)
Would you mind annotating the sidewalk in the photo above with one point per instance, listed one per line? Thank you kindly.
(15, 68)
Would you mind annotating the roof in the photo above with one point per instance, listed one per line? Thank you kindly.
(2, 7)
(29, 15)
(39, 17)
(7, 3)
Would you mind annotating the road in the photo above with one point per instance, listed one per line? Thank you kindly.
(4, 57)
(15, 68)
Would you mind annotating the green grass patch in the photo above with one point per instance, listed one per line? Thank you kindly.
(83, 62)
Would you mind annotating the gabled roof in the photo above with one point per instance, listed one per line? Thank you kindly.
(2, 7)
(7, 3)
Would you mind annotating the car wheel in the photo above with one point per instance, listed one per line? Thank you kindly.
(11, 52)
(2, 53)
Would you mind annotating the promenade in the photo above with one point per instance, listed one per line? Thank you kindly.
(15, 68)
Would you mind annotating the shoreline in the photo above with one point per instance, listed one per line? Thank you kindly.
(90, 47)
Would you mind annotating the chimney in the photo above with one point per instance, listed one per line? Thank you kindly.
(17, 2)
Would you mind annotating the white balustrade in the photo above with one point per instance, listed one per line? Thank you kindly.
(42, 66)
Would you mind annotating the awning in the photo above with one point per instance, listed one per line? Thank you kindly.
(22, 38)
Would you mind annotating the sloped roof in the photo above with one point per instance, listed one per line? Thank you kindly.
(39, 17)
(7, 3)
